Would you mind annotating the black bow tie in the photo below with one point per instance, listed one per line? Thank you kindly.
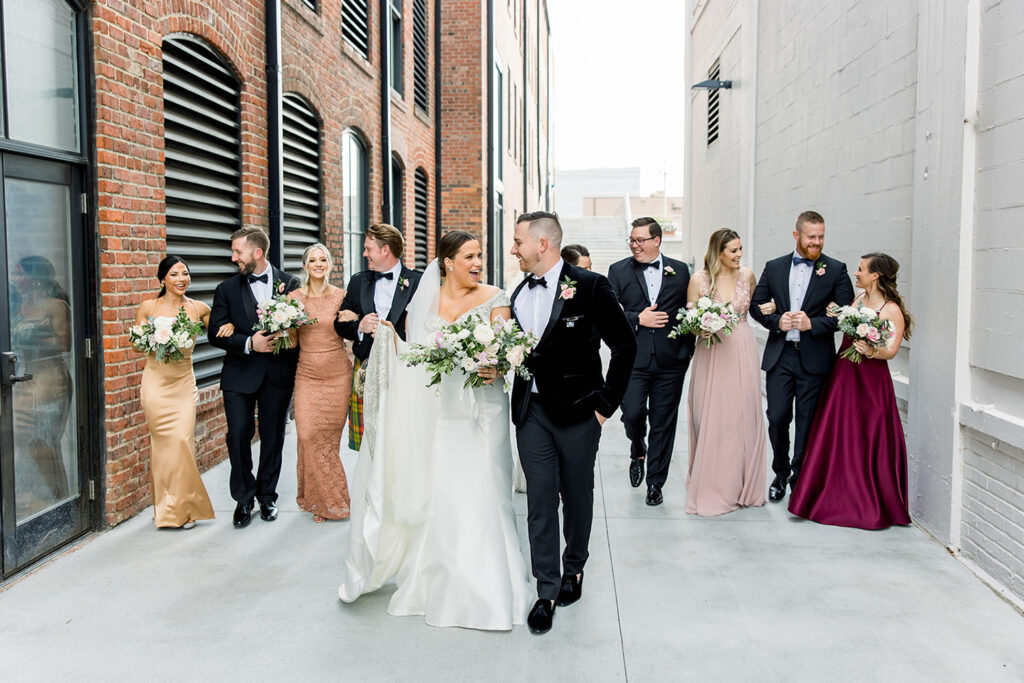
(652, 264)
(797, 260)
(535, 281)
(258, 278)
(387, 276)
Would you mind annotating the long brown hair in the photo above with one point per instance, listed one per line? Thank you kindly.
(887, 267)
(716, 245)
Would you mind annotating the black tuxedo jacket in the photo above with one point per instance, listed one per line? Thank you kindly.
(244, 373)
(817, 346)
(627, 279)
(359, 298)
(566, 363)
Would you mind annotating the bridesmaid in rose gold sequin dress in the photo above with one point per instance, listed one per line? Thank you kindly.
(323, 381)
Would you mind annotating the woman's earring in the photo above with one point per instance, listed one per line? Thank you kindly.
(450, 268)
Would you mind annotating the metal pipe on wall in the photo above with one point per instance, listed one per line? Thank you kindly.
(275, 149)
(385, 109)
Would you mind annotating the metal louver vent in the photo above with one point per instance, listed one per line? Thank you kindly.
(713, 73)
(421, 89)
(355, 24)
(422, 211)
(203, 172)
(301, 140)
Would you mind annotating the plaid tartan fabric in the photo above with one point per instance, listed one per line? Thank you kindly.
(355, 414)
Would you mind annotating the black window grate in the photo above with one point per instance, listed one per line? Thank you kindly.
(355, 24)
(713, 73)
(203, 172)
(301, 141)
(311, 4)
(420, 68)
(422, 190)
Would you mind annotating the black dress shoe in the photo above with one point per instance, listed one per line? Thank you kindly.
(268, 512)
(777, 491)
(571, 590)
(654, 496)
(541, 616)
(636, 472)
(243, 515)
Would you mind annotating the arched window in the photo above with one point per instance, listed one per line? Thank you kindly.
(355, 202)
(397, 193)
(422, 189)
(301, 180)
(203, 171)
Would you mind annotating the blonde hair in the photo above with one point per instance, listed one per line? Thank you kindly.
(305, 263)
(712, 260)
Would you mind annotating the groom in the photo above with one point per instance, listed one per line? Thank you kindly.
(252, 377)
(559, 413)
(800, 350)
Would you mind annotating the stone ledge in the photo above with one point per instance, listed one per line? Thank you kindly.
(988, 420)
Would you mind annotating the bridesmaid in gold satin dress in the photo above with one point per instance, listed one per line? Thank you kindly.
(169, 398)
(323, 382)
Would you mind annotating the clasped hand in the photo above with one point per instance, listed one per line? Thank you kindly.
(649, 317)
(369, 323)
(794, 320)
(263, 342)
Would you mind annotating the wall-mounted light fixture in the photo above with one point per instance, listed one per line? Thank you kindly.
(712, 84)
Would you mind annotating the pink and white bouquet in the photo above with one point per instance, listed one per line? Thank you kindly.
(706, 319)
(473, 344)
(280, 314)
(863, 324)
(165, 337)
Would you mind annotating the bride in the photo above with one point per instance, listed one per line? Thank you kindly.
(432, 492)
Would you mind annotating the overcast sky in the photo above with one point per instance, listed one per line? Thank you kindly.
(618, 87)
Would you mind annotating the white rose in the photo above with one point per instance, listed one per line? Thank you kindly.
(514, 356)
(162, 335)
(179, 339)
(188, 344)
(704, 302)
(163, 323)
(463, 333)
(509, 325)
(280, 317)
(483, 333)
(468, 364)
(862, 330)
(716, 325)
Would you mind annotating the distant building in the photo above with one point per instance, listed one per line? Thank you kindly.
(571, 186)
(667, 210)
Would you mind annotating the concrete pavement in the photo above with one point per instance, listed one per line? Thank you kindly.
(753, 595)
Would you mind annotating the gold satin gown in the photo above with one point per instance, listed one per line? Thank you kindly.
(169, 398)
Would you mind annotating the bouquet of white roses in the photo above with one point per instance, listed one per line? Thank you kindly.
(280, 314)
(473, 344)
(165, 337)
(706, 317)
(863, 324)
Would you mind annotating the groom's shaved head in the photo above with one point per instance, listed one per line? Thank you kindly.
(544, 224)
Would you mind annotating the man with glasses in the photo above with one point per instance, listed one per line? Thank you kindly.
(651, 288)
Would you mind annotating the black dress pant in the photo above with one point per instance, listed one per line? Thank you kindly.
(557, 459)
(272, 403)
(786, 384)
(653, 395)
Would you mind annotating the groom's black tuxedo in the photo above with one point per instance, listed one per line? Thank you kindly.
(557, 431)
(359, 298)
(795, 373)
(249, 380)
(656, 384)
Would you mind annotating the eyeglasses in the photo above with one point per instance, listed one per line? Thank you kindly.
(640, 240)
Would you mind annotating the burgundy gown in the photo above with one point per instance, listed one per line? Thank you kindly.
(855, 465)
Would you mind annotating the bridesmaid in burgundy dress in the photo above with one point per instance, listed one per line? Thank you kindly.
(855, 465)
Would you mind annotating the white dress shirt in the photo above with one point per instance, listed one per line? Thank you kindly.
(384, 293)
(653, 277)
(533, 305)
(799, 279)
(261, 291)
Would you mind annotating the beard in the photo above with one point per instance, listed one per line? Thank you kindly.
(247, 268)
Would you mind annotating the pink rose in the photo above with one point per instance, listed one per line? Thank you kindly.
(707, 320)
(568, 292)
(873, 334)
(820, 271)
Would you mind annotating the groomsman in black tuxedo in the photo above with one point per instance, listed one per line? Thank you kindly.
(800, 350)
(253, 378)
(559, 413)
(380, 293)
(651, 288)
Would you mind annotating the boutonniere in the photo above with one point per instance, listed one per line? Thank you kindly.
(819, 268)
(279, 287)
(403, 282)
(568, 288)
(669, 270)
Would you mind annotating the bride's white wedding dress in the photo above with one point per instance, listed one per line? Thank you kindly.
(432, 491)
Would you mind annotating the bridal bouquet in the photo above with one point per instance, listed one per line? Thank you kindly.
(473, 344)
(164, 336)
(280, 314)
(706, 317)
(863, 324)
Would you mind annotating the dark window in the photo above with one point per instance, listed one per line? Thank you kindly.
(420, 59)
(311, 4)
(301, 180)
(355, 24)
(713, 73)
(355, 201)
(422, 222)
(396, 47)
(397, 194)
(203, 172)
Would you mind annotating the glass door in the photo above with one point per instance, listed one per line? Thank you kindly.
(42, 454)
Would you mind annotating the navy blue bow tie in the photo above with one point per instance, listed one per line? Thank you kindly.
(797, 260)
(387, 276)
(652, 264)
(533, 281)
(258, 278)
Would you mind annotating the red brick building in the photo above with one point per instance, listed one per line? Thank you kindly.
(137, 128)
